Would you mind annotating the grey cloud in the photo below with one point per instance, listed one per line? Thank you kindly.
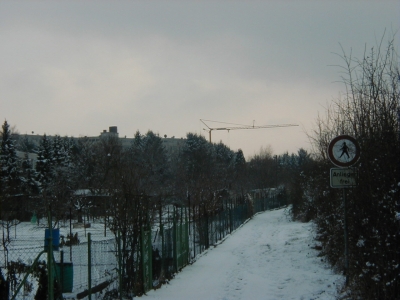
(162, 65)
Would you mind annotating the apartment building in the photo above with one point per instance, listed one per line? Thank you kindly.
(172, 144)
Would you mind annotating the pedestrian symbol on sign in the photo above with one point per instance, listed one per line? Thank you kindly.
(344, 150)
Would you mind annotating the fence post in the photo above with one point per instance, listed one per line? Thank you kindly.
(206, 233)
(194, 231)
(50, 278)
(146, 258)
(49, 267)
(230, 219)
(174, 243)
(163, 250)
(62, 270)
(119, 264)
(212, 230)
(187, 226)
(89, 266)
(181, 239)
(180, 249)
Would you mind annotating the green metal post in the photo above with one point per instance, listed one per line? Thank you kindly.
(163, 250)
(90, 266)
(230, 218)
(50, 278)
(181, 240)
(346, 239)
(174, 235)
(187, 233)
(119, 264)
(207, 237)
(62, 270)
(194, 231)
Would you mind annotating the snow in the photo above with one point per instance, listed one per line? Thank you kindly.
(269, 257)
(27, 241)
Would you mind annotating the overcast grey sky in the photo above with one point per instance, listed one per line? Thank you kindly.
(78, 67)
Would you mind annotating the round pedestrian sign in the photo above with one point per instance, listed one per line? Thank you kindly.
(344, 151)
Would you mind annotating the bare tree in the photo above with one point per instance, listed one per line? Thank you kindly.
(367, 110)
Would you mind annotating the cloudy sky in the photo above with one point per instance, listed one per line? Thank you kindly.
(77, 67)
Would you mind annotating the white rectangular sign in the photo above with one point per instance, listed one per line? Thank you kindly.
(343, 177)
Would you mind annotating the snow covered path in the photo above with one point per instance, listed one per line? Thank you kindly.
(268, 258)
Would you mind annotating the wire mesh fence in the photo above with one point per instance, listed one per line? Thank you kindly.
(94, 260)
(17, 257)
(24, 263)
(117, 266)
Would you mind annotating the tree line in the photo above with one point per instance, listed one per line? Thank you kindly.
(124, 185)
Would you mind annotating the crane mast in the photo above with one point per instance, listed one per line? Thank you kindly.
(238, 126)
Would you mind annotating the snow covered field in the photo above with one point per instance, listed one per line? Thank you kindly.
(269, 257)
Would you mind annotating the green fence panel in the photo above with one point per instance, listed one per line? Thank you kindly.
(181, 245)
(65, 273)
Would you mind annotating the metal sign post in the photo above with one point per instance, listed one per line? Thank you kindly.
(346, 239)
(344, 152)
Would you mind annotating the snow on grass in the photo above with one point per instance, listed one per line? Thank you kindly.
(269, 257)
(27, 241)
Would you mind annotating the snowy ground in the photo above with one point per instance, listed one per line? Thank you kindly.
(269, 257)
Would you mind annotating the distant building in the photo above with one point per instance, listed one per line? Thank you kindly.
(172, 145)
(112, 130)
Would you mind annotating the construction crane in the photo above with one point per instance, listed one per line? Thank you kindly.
(238, 126)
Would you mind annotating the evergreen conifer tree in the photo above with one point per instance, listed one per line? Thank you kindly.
(58, 151)
(31, 186)
(239, 167)
(68, 147)
(155, 158)
(10, 172)
(10, 182)
(44, 163)
(136, 150)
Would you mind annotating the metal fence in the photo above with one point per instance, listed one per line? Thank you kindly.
(96, 268)
(15, 261)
